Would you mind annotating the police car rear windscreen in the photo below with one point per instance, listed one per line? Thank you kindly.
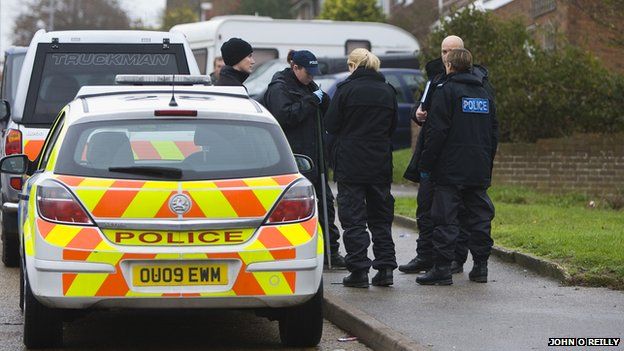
(58, 74)
(175, 150)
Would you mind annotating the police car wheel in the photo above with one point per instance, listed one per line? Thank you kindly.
(43, 326)
(302, 326)
(10, 242)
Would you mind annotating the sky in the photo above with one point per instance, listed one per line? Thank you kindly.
(147, 10)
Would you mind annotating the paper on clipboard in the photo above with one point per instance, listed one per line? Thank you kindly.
(425, 93)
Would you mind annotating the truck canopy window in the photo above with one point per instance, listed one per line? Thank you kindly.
(58, 74)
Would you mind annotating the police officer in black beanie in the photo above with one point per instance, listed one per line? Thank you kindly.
(238, 58)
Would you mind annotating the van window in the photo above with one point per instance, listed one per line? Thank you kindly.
(195, 149)
(59, 73)
(351, 45)
(264, 55)
(201, 56)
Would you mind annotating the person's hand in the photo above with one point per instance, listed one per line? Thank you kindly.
(424, 175)
(319, 95)
(421, 116)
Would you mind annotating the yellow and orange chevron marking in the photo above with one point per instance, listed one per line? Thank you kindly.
(115, 284)
(163, 150)
(32, 148)
(105, 198)
(158, 150)
(287, 235)
(87, 244)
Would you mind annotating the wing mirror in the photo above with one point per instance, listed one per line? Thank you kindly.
(14, 164)
(304, 163)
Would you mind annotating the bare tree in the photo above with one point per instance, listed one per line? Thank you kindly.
(416, 18)
(68, 15)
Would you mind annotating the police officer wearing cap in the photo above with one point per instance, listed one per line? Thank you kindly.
(297, 103)
(458, 156)
(238, 58)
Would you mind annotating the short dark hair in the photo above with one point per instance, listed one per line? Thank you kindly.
(460, 60)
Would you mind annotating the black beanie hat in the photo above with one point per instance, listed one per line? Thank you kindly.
(235, 50)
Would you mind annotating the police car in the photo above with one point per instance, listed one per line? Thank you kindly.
(165, 196)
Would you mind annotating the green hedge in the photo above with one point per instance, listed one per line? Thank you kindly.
(539, 93)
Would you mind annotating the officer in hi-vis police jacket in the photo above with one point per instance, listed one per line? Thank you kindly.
(458, 155)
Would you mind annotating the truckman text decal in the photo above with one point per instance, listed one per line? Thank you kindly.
(111, 59)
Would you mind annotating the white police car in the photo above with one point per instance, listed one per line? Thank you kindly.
(144, 198)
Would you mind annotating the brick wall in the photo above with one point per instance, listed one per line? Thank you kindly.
(572, 22)
(586, 163)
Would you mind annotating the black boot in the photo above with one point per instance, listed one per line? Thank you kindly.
(416, 265)
(438, 275)
(383, 277)
(479, 272)
(357, 279)
(337, 261)
(457, 267)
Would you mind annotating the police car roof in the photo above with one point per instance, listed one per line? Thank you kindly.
(123, 102)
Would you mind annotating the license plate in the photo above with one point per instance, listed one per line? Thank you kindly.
(180, 274)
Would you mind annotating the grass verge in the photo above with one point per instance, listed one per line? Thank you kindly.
(587, 242)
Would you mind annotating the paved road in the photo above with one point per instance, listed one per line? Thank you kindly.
(515, 310)
(217, 330)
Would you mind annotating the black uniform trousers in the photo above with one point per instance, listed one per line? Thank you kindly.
(361, 205)
(447, 200)
(424, 243)
(334, 233)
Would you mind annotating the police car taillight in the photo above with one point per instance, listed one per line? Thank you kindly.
(13, 144)
(57, 204)
(297, 204)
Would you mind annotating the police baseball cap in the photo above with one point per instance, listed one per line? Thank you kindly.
(304, 58)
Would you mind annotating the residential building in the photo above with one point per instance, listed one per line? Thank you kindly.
(575, 21)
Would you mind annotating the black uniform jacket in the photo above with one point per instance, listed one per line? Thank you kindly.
(461, 133)
(231, 77)
(296, 110)
(363, 115)
(412, 172)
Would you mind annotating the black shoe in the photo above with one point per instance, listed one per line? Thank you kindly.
(457, 267)
(337, 261)
(479, 272)
(357, 279)
(383, 277)
(416, 265)
(438, 275)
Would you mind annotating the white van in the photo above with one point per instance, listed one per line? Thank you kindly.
(273, 38)
(56, 65)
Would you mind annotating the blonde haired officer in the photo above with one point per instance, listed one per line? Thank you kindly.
(362, 116)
